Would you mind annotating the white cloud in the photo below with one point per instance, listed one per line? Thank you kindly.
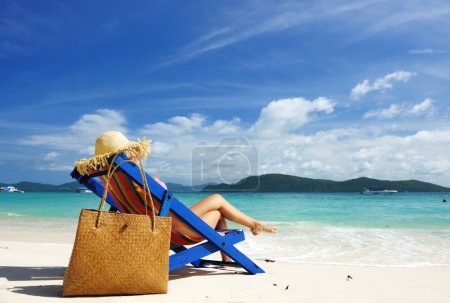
(287, 115)
(102, 120)
(427, 136)
(411, 157)
(52, 161)
(195, 121)
(193, 124)
(226, 127)
(51, 156)
(384, 83)
(175, 126)
(421, 108)
(315, 166)
(81, 135)
(54, 166)
(426, 51)
(385, 113)
(424, 108)
(161, 149)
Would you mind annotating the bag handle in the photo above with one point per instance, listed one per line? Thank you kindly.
(111, 171)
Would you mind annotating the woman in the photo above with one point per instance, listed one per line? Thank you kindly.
(214, 209)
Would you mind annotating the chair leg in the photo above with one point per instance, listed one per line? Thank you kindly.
(194, 254)
(179, 248)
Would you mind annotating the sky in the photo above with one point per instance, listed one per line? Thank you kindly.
(225, 89)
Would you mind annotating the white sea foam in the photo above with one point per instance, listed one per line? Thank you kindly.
(308, 243)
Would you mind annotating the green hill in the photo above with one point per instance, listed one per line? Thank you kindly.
(287, 183)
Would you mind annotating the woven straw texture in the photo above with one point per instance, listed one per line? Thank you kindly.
(122, 256)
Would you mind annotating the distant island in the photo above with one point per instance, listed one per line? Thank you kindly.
(288, 183)
(268, 183)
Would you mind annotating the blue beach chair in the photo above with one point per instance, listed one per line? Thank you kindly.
(126, 195)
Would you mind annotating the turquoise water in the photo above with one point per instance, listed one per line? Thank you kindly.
(405, 229)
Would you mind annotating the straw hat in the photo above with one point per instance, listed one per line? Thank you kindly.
(108, 144)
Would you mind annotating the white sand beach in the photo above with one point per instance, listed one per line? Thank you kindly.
(32, 272)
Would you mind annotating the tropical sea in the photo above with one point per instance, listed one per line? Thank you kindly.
(404, 229)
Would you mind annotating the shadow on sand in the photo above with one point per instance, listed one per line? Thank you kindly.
(17, 273)
(190, 271)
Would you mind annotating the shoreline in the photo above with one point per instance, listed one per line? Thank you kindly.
(302, 244)
(32, 272)
(6, 244)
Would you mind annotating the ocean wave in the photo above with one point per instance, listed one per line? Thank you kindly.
(14, 215)
(362, 264)
(353, 246)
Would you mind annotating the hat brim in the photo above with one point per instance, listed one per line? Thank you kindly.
(140, 149)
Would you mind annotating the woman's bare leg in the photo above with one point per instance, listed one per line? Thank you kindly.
(214, 219)
(228, 211)
(214, 210)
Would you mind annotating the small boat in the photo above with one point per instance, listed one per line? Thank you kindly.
(11, 189)
(84, 190)
(378, 191)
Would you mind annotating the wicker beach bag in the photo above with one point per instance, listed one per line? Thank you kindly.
(118, 253)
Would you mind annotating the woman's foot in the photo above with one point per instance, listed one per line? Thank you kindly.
(260, 227)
